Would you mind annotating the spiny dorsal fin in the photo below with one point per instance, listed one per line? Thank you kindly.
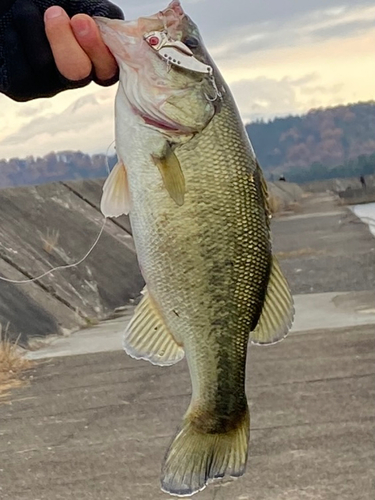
(116, 198)
(278, 310)
(265, 193)
(147, 337)
(172, 175)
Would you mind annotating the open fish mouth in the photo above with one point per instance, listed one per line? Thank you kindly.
(159, 70)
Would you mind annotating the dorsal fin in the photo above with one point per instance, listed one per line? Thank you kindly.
(265, 193)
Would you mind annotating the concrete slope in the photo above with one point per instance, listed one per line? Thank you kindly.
(42, 227)
(287, 194)
(91, 191)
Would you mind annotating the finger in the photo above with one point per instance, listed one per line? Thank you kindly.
(71, 60)
(88, 36)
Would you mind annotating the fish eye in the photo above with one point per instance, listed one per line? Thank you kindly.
(191, 42)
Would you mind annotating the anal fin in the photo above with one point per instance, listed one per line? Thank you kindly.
(278, 310)
(147, 337)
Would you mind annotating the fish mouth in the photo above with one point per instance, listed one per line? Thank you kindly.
(126, 39)
(151, 90)
(168, 19)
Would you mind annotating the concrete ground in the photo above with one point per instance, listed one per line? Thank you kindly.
(312, 311)
(95, 425)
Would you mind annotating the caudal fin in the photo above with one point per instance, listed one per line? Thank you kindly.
(194, 458)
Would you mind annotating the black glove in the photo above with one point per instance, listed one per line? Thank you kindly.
(27, 66)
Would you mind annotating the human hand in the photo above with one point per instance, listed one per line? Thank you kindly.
(78, 49)
(38, 60)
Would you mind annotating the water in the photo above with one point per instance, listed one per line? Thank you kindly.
(366, 213)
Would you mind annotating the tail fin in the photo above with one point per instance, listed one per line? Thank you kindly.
(194, 458)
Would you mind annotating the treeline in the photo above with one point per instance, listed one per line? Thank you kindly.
(362, 166)
(324, 143)
(62, 166)
(327, 137)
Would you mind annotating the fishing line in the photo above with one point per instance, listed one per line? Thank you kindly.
(106, 157)
(217, 489)
(59, 268)
(75, 264)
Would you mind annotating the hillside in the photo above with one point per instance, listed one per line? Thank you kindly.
(61, 166)
(329, 137)
(340, 140)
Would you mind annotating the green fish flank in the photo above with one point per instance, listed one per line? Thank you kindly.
(200, 221)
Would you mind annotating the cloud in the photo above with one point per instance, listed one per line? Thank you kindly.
(296, 31)
(32, 109)
(344, 30)
(265, 97)
(77, 118)
(278, 57)
(87, 124)
(216, 19)
(320, 89)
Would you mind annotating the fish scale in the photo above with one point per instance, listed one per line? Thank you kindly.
(188, 177)
(223, 218)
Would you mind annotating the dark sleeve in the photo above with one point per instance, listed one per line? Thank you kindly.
(27, 67)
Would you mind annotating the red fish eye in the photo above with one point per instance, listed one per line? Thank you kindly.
(153, 40)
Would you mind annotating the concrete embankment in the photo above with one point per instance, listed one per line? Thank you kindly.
(337, 185)
(350, 190)
(328, 257)
(357, 196)
(42, 227)
(98, 423)
(284, 195)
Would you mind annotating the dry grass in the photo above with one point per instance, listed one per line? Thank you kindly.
(49, 240)
(12, 364)
(275, 204)
(302, 252)
(90, 322)
(294, 207)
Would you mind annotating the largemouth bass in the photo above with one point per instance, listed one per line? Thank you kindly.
(188, 177)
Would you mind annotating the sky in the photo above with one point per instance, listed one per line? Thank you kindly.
(279, 57)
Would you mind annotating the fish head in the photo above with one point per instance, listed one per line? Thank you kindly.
(166, 73)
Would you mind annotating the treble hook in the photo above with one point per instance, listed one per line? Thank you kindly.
(218, 94)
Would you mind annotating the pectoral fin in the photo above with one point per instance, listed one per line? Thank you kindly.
(172, 175)
(147, 337)
(116, 199)
(278, 310)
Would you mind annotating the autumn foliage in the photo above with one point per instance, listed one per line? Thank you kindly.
(327, 137)
(62, 166)
(337, 141)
